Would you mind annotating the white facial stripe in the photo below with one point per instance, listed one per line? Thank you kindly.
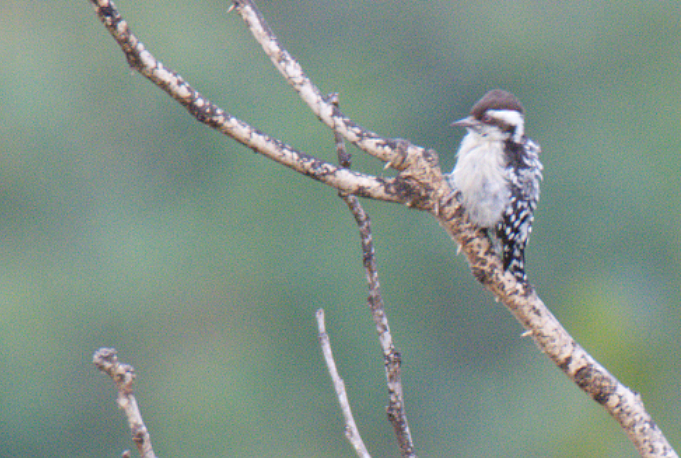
(512, 118)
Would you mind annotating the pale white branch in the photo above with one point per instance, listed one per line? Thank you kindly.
(140, 59)
(351, 430)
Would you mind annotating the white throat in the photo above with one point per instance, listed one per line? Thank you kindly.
(480, 175)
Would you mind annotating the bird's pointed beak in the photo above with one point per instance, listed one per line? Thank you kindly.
(465, 122)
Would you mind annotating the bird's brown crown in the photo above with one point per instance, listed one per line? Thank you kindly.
(496, 99)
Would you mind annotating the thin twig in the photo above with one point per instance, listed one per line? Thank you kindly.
(351, 430)
(391, 357)
(123, 376)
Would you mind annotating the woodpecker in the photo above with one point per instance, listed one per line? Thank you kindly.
(497, 175)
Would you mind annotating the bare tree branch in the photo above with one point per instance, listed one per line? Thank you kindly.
(351, 430)
(123, 376)
(326, 111)
(392, 358)
(419, 184)
(141, 60)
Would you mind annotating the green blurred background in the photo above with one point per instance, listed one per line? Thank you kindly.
(126, 223)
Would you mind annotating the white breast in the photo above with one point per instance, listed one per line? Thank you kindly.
(480, 177)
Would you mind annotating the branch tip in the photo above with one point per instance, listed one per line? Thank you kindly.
(123, 375)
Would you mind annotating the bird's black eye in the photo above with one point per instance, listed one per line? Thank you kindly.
(487, 119)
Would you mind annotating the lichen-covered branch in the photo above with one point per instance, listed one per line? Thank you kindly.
(553, 339)
(141, 60)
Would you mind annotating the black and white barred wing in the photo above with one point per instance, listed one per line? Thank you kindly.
(513, 232)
